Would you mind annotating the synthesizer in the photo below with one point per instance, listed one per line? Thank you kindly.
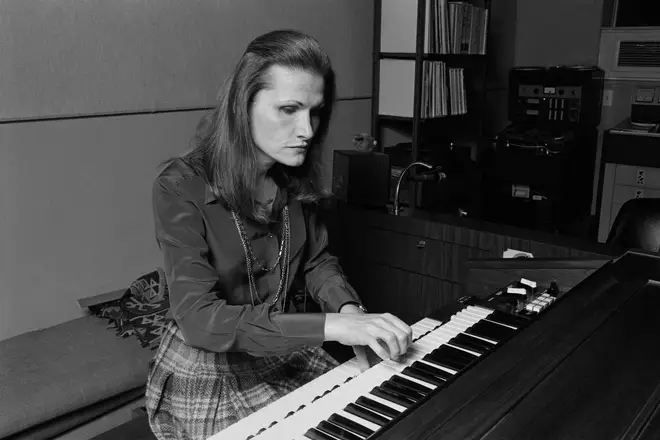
(344, 404)
(525, 362)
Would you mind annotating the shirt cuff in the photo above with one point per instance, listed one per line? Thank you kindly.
(355, 303)
(339, 294)
(305, 328)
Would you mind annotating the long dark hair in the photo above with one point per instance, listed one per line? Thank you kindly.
(223, 147)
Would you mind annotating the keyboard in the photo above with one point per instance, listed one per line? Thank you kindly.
(345, 404)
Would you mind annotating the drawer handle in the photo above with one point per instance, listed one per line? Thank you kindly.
(421, 244)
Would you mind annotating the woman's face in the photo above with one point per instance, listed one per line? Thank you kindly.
(285, 115)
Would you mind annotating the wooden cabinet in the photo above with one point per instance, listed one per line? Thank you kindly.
(411, 267)
(408, 295)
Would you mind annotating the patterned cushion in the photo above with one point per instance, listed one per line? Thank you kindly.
(141, 311)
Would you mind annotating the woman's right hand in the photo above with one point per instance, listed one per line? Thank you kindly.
(369, 330)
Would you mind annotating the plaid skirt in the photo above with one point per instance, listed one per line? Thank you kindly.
(192, 394)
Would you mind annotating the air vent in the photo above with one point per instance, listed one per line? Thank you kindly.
(639, 54)
(630, 54)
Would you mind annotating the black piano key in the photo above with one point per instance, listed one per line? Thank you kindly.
(337, 431)
(471, 343)
(393, 397)
(366, 414)
(350, 425)
(446, 359)
(456, 353)
(315, 434)
(377, 407)
(508, 319)
(447, 363)
(395, 388)
(399, 380)
(417, 365)
(423, 376)
(489, 330)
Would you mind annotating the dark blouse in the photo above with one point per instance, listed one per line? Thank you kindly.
(207, 274)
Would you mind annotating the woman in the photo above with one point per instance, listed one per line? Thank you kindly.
(236, 222)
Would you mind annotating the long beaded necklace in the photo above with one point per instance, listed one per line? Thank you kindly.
(282, 257)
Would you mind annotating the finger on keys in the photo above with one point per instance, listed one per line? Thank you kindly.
(405, 339)
(377, 348)
(389, 335)
(368, 330)
(361, 356)
(396, 336)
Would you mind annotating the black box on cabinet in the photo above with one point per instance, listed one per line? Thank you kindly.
(361, 178)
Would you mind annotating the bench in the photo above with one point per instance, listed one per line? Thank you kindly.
(62, 379)
(78, 379)
(59, 378)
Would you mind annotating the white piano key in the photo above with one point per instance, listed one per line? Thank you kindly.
(474, 314)
(310, 416)
(420, 358)
(417, 355)
(445, 335)
(428, 346)
(481, 309)
(502, 324)
(394, 406)
(440, 367)
(464, 320)
(461, 321)
(360, 420)
(419, 330)
(304, 395)
(429, 321)
(435, 333)
(474, 353)
(440, 336)
(422, 325)
(463, 328)
(428, 385)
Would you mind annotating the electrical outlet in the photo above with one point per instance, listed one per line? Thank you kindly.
(607, 97)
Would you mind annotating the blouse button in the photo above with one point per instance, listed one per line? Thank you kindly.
(270, 236)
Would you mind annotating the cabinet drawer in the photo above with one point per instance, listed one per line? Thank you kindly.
(407, 295)
(418, 254)
(637, 176)
(407, 252)
(623, 193)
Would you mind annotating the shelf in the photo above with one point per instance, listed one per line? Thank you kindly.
(431, 56)
(423, 120)
(420, 95)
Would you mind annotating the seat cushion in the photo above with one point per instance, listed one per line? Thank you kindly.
(637, 225)
(47, 373)
(54, 427)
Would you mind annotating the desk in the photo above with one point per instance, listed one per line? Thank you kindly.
(413, 265)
